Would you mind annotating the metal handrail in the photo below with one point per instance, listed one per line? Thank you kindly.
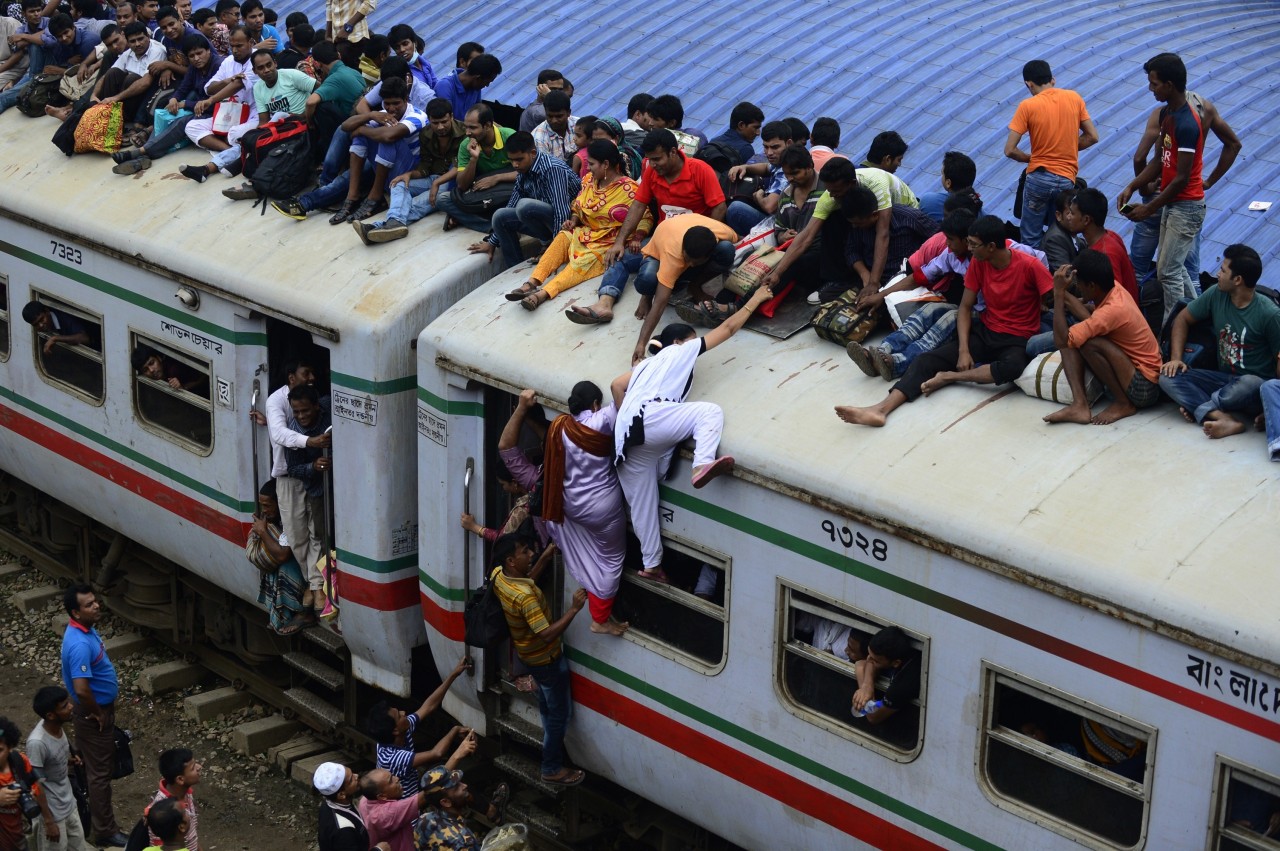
(253, 432)
(466, 554)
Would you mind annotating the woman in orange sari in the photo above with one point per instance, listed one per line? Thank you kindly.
(598, 213)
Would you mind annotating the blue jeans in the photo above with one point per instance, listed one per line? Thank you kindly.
(173, 135)
(1038, 195)
(444, 201)
(1202, 391)
(335, 158)
(412, 202)
(1145, 241)
(529, 216)
(36, 62)
(720, 262)
(1043, 341)
(555, 705)
(742, 217)
(329, 193)
(1180, 224)
(928, 327)
(615, 277)
(1270, 393)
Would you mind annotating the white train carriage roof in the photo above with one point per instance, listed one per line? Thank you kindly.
(1147, 517)
(305, 272)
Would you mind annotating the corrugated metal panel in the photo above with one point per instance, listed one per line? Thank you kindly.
(944, 74)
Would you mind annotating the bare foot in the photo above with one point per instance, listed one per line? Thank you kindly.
(1117, 410)
(642, 309)
(942, 379)
(60, 113)
(861, 416)
(1222, 426)
(1186, 415)
(609, 627)
(1260, 422)
(1075, 413)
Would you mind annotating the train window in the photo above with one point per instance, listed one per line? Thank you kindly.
(820, 641)
(1246, 809)
(4, 317)
(1060, 761)
(688, 619)
(75, 364)
(171, 392)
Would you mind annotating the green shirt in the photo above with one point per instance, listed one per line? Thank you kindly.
(487, 161)
(1248, 339)
(889, 190)
(342, 87)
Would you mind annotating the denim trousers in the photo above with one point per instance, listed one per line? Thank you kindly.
(1270, 393)
(615, 277)
(720, 263)
(1202, 391)
(173, 135)
(1037, 203)
(742, 217)
(528, 216)
(444, 201)
(1146, 240)
(555, 705)
(410, 203)
(335, 157)
(1180, 224)
(930, 326)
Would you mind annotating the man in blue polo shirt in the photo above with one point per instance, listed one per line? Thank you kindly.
(91, 681)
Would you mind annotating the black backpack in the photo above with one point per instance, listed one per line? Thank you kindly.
(719, 156)
(1201, 350)
(139, 837)
(276, 159)
(483, 619)
(42, 91)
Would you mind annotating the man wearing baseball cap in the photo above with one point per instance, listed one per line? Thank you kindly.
(442, 827)
(341, 825)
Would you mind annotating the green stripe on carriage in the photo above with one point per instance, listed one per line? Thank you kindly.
(458, 595)
(768, 746)
(374, 565)
(132, 454)
(365, 385)
(444, 406)
(239, 338)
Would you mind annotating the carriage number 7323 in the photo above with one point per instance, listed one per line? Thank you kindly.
(66, 252)
(877, 548)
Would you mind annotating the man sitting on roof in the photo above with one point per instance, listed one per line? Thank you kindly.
(744, 127)
(741, 216)
(958, 172)
(1247, 329)
(824, 233)
(482, 163)
(554, 135)
(825, 140)
(677, 185)
(909, 227)
(1115, 341)
(1086, 214)
(1012, 284)
(462, 87)
(396, 133)
(549, 80)
(667, 113)
(129, 80)
(886, 152)
(637, 124)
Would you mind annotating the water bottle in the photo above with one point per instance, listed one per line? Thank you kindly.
(867, 708)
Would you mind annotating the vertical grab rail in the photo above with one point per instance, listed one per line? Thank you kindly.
(253, 432)
(466, 554)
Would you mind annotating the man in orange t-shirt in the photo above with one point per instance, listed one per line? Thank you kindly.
(1060, 128)
(1115, 342)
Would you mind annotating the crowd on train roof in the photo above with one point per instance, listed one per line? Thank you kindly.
(641, 199)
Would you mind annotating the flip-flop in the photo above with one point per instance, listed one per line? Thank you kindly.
(567, 777)
(450, 223)
(586, 316)
(657, 576)
(521, 291)
(499, 800)
(718, 467)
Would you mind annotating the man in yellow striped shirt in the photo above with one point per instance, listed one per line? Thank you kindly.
(537, 642)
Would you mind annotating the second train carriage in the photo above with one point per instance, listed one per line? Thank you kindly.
(1048, 576)
(98, 463)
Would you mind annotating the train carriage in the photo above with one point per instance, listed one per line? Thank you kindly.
(1056, 582)
(94, 455)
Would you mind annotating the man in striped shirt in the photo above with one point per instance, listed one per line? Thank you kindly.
(393, 731)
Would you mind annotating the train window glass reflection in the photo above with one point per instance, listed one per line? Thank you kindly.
(1087, 769)
(820, 644)
(4, 317)
(68, 345)
(171, 393)
(686, 620)
(1247, 815)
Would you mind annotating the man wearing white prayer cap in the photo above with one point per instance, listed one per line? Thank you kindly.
(341, 827)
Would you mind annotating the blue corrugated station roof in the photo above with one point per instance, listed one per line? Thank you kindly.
(945, 74)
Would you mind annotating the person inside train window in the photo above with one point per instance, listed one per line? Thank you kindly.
(667, 113)
(1247, 329)
(536, 639)
(958, 172)
(886, 152)
(744, 126)
(654, 418)
(843, 642)
(889, 654)
(306, 466)
(1253, 809)
(539, 205)
(150, 363)
(1012, 283)
(282, 583)
(741, 216)
(1115, 341)
(58, 325)
(1114, 749)
(392, 730)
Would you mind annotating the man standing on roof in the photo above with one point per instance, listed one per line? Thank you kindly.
(1183, 122)
(1060, 128)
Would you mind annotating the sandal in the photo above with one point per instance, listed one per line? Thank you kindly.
(450, 223)
(498, 800)
(366, 209)
(704, 313)
(566, 777)
(586, 316)
(527, 683)
(659, 576)
(344, 212)
(535, 298)
(527, 288)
